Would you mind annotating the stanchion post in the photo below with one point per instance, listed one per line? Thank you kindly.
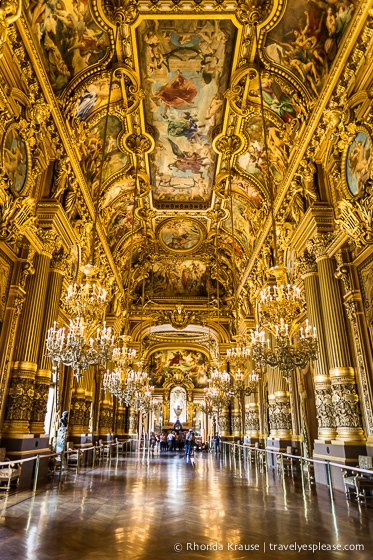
(329, 471)
(36, 474)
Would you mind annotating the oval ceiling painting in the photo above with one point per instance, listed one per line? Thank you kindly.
(180, 235)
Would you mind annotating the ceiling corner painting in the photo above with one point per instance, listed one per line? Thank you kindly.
(307, 38)
(69, 39)
(185, 67)
(189, 365)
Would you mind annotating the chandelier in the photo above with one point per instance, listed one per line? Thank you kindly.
(73, 348)
(218, 394)
(131, 387)
(286, 355)
(86, 300)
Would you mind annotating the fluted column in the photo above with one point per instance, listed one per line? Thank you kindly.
(43, 375)
(21, 393)
(13, 310)
(342, 375)
(77, 412)
(322, 381)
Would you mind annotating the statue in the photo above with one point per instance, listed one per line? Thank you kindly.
(61, 434)
(178, 425)
(63, 419)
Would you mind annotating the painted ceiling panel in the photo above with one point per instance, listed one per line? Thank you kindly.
(165, 363)
(185, 67)
(178, 279)
(69, 39)
(306, 40)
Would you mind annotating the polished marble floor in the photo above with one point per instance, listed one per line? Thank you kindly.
(160, 507)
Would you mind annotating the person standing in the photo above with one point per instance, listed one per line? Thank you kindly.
(170, 441)
(217, 443)
(188, 439)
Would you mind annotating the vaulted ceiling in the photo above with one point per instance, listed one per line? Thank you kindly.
(160, 107)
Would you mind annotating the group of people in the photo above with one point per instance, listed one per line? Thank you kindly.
(177, 440)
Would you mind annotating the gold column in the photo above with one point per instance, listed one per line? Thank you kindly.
(120, 420)
(322, 382)
(105, 425)
(252, 417)
(43, 375)
(236, 420)
(77, 412)
(342, 375)
(15, 302)
(21, 392)
(133, 419)
(223, 423)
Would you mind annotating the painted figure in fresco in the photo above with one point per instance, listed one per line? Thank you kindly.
(179, 93)
(177, 358)
(186, 125)
(187, 161)
(94, 95)
(359, 164)
(276, 99)
(15, 160)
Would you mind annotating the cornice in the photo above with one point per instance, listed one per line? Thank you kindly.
(319, 218)
(50, 215)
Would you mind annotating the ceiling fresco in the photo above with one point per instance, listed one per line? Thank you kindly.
(181, 235)
(172, 279)
(69, 39)
(306, 40)
(184, 166)
(185, 72)
(165, 363)
(95, 96)
(93, 150)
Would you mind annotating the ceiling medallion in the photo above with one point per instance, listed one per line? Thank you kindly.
(180, 235)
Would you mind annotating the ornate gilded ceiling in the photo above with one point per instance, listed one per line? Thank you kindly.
(159, 106)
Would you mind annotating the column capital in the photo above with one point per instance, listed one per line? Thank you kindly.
(307, 264)
(319, 245)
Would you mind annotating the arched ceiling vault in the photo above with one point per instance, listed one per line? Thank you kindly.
(180, 184)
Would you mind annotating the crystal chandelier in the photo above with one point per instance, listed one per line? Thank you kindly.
(285, 355)
(218, 394)
(73, 348)
(131, 387)
(86, 300)
(139, 392)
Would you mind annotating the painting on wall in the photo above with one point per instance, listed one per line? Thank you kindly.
(115, 190)
(95, 96)
(174, 279)
(254, 160)
(307, 38)
(5, 277)
(92, 151)
(185, 68)
(358, 163)
(69, 39)
(15, 160)
(192, 363)
(180, 235)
